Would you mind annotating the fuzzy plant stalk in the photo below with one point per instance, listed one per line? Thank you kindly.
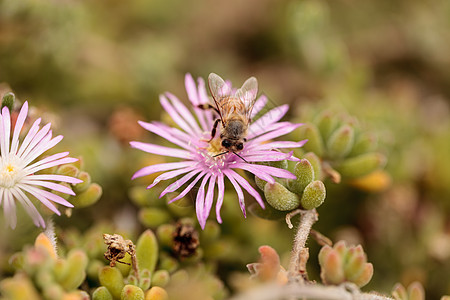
(300, 253)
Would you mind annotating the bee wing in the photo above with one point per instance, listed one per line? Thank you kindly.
(219, 90)
(247, 94)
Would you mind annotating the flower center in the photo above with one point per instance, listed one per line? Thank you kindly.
(10, 172)
(215, 147)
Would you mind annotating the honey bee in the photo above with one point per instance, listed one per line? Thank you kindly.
(234, 111)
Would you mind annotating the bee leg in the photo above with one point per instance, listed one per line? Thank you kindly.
(213, 131)
(208, 106)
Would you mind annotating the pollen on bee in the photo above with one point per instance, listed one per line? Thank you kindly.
(215, 147)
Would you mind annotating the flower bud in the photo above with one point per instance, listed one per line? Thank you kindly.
(313, 195)
(147, 251)
(315, 162)
(260, 183)
(82, 186)
(132, 292)
(315, 142)
(112, 279)
(153, 216)
(102, 293)
(88, 197)
(305, 174)
(8, 101)
(341, 141)
(160, 278)
(361, 165)
(68, 170)
(365, 142)
(326, 123)
(165, 234)
(280, 198)
(74, 273)
(157, 293)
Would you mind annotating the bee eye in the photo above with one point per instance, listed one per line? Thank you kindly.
(226, 143)
(240, 146)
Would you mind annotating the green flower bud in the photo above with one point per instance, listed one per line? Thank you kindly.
(147, 251)
(315, 142)
(313, 195)
(361, 165)
(88, 197)
(260, 183)
(315, 162)
(160, 278)
(268, 213)
(415, 291)
(355, 265)
(165, 234)
(68, 170)
(399, 292)
(82, 186)
(132, 292)
(102, 293)
(157, 293)
(280, 198)
(112, 279)
(153, 216)
(168, 263)
(305, 174)
(281, 164)
(211, 232)
(8, 101)
(326, 123)
(74, 273)
(341, 141)
(365, 142)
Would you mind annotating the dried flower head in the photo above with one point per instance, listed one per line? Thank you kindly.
(185, 240)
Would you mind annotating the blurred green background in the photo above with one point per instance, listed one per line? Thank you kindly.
(96, 67)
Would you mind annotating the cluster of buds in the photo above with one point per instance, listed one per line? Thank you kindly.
(43, 272)
(341, 264)
(306, 191)
(344, 149)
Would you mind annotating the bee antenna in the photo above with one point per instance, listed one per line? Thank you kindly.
(240, 157)
(221, 153)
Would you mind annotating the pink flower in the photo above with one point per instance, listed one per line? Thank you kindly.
(198, 161)
(19, 163)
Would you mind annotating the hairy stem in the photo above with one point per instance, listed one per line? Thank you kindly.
(300, 254)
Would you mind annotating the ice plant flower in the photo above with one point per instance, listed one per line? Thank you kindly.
(198, 156)
(19, 162)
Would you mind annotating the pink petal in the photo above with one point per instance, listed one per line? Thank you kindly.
(9, 209)
(174, 114)
(5, 130)
(29, 137)
(177, 184)
(204, 99)
(62, 178)
(238, 191)
(169, 175)
(193, 96)
(275, 133)
(18, 126)
(49, 185)
(42, 147)
(39, 194)
(33, 168)
(259, 172)
(221, 188)
(259, 104)
(183, 111)
(199, 202)
(164, 131)
(244, 183)
(40, 136)
(29, 207)
(269, 118)
(188, 188)
(161, 150)
(161, 167)
(277, 145)
(264, 156)
(258, 169)
(209, 198)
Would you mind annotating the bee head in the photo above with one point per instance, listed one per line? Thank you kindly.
(233, 145)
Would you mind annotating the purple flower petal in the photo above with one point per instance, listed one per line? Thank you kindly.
(169, 175)
(177, 184)
(162, 167)
(188, 188)
(276, 133)
(18, 127)
(259, 104)
(62, 178)
(259, 170)
(244, 183)
(183, 111)
(238, 191)
(165, 132)
(209, 197)
(264, 156)
(271, 117)
(174, 114)
(200, 201)
(277, 145)
(49, 185)
(220, 196)
(161, 150)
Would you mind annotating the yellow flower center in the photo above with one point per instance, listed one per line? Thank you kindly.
(10, 172)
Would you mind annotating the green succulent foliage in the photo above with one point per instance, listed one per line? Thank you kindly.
(341, 263)
(341, 145)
